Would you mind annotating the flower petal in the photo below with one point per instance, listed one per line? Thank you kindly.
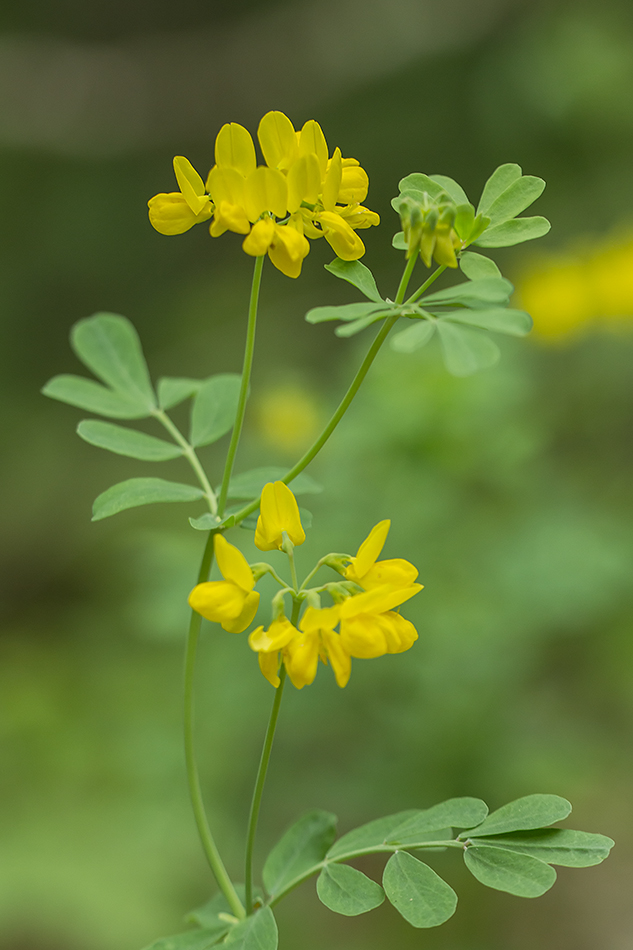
(233, 564)
(301, 658)
(277, 139)
(245, 617)
(269, 665)
(218, 601)
(266, 190)
(234, 148)
(354, 185)
(278, 513)
(190, 184)
(395, 573)
(340, 660)
(371, 547)
(260, 237)
(288, 250)
(304, 181)
(170, 213)
(312, 139)
(332, 182)
(344, 241)
(279, 633)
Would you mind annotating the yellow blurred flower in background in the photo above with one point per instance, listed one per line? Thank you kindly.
(287, 417)
(567, 294)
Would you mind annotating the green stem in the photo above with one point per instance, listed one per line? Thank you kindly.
(427, 283)
(359, 853)
(190, 454)
(246, 376)
(208, 843)
(314, 449)
(261, 776)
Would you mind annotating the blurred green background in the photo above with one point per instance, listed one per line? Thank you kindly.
(510, 490)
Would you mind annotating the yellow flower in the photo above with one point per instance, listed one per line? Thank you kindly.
(279, 514)
(369, 573)
(268, 643)
(369, 625)
(176, 212)
(301, 649)
(231, 602)
(314, 195)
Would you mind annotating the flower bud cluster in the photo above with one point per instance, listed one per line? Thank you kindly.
(428, 228)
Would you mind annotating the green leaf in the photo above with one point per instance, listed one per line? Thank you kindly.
(250, 484)
(414, 337)
(258, 932)
(348, 311)
(373, 834)
(466, 351)
(452, 189)
(136, 445)
(515, 199)
(357, 274)
(497, 319)
(519, 874)
(190, 940)
(141, 491)
(174, 390)
(454, 813)
(472, 293)
(571, 849)
(347, 891)
(416, 184)
(399, 242)
(214, 408)
(531, 811)
(90, 395)
(350, 329)
(477, 266)
(514, 232)
(302, 846)
(500, 179)
(109, 345)
(417, 892)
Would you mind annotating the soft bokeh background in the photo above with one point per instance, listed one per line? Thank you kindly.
(511, 490)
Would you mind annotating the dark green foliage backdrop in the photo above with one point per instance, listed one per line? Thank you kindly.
(510, 490)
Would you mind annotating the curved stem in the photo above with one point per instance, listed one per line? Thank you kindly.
(193, 779)
(427, 283)
(190, 454)
(261, 776)
(246, 376)
(314, 449)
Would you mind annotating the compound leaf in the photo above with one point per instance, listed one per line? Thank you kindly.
(348, 311)
(414, 337)
(174, 390)
(452, 189)
(515, 199)
(497, 319)
(257, 932)
(373, 834)
(501, 178)
(477, 266)
(454, 813)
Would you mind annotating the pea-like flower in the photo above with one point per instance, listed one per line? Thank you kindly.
(369, 573)
(301, 192)
(231, 602)
(279, 515)
(369, 625)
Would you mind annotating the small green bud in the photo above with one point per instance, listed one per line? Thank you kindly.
(337, 562)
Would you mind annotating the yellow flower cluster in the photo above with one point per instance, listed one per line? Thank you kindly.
(314, 194)
(571, 293)
(368, 623)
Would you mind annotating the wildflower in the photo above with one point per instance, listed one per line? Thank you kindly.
(369, 625)
(279, 515)
(231, 602)
(268, 643)
(368, 573)
(313, 195)
(176, 212)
